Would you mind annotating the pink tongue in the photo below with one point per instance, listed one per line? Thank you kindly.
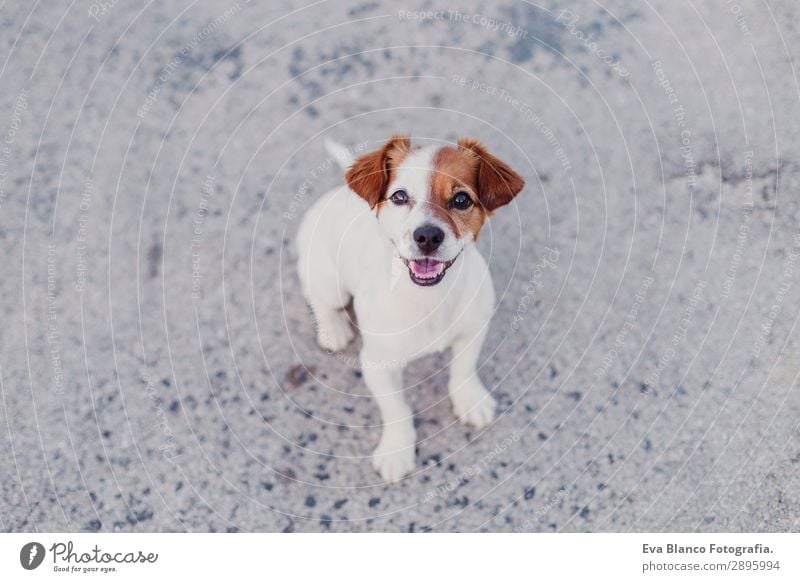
(427, 268)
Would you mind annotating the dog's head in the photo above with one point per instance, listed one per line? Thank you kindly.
(432, 201)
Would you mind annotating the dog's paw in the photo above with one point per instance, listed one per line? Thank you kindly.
(473, 404)
(334, 332)
(394, 458)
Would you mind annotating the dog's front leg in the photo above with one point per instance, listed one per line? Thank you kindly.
(472, 403)
(394, 456)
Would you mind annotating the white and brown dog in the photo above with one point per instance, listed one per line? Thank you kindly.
(400, 242)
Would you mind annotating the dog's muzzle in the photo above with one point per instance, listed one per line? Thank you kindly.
(427, 272)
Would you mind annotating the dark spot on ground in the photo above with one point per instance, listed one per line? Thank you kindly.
(362, 8)
(297, 376)
(287, 476)
(139, 516)
(461, 501)
(154, 259)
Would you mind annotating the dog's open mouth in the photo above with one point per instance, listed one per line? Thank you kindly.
(427, 272)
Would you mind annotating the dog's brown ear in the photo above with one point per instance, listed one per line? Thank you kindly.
(369, 175)
(497, 182)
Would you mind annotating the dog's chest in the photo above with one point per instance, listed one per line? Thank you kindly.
(406, 328)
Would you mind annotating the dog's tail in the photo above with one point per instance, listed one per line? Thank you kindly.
(340, 153)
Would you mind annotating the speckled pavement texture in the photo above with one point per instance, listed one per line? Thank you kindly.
(158, 364)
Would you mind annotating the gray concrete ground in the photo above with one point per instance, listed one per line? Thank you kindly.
(158, 366)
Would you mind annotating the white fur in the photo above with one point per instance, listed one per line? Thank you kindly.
(339, 152)
(346, 253)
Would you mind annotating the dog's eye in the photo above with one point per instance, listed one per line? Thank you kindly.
(461, 201)
(399, 197)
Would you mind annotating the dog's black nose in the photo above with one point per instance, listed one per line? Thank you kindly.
(428, 237)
